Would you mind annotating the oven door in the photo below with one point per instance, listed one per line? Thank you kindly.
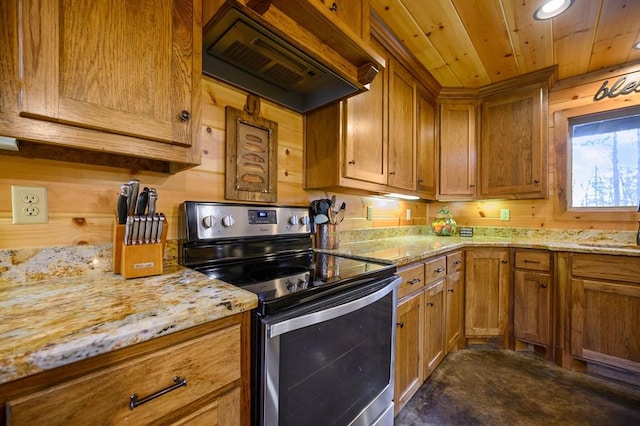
(331, 362)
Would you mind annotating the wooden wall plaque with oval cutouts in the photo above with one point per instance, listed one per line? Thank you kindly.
(251, 173)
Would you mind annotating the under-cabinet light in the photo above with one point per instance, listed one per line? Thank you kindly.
(636, 45)
(552, 9)
(402, 196)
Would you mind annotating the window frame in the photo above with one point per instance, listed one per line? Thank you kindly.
(609, 114)
(561, 139)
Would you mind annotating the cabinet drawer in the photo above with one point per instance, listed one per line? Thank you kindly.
(454, 262)
(207, 363)
(412, 279)
(435, 269)
(614, 268)
(534, 260)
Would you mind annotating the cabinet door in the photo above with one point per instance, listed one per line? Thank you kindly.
(402, 129)
(513, 145)
(532, 307)
(426, 147)
(486, 293)
(453, 310)
(604, 322)
(349, 12)
(206, 364)
(408, 375)
(434, 339)
(457, 150)
(113, 66)
(365, 138)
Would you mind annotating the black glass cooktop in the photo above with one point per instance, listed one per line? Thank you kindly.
(284, 281)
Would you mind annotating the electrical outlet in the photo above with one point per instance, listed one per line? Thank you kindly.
(369, 212)
(29, 204)
(408, 214)
(504, 214)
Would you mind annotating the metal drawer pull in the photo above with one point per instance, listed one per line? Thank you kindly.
(400, 324)
(439, 270)
(543, 286)
(457, 262)
(414, 281)
(450, 290)
(134, 401)
(531, 261)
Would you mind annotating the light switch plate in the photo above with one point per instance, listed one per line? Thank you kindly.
(369, 212)
(29, 204)
(504, 214)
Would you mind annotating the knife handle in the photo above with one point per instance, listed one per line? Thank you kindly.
(155, 219)
(134, 230)
(127, 230)
(133, 196)
(153, 198)
(141, 205)
(161, 226)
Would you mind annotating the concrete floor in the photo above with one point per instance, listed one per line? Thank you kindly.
(500, 387)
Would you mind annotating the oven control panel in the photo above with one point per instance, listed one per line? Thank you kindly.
(206, 221)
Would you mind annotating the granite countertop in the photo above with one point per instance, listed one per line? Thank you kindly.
(403, 250)
(60, 305)
(56, 321)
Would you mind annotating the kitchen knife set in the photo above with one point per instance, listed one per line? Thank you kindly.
(140, 232)
(137, 211)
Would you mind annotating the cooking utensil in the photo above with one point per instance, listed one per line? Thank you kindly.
(321, 218)
(331, 215)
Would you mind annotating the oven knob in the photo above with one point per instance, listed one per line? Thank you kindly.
(304, 220)
(209, 221)
(293, 220)
(228, 221)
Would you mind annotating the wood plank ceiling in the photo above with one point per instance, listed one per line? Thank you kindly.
(473, 43)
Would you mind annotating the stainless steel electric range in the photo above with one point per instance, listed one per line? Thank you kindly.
(323, 334)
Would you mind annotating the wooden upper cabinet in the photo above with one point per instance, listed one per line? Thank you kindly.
(402, 127)
(426, 146)
(457, 149)
(513, 144)
(366, 142)
(346, 143)
(112, 66)
(350, 12)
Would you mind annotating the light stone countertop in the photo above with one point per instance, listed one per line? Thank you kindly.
(53, 322)
(61, 305)
(407, 249)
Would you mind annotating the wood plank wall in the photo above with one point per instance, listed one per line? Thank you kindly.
(82, 197)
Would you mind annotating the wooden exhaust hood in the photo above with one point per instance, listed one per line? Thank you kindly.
(293, 53)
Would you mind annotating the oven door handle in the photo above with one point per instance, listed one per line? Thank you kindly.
(292, 324)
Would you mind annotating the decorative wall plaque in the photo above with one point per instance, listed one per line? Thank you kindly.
(251, 172)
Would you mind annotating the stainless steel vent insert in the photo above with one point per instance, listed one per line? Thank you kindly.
(244, 53)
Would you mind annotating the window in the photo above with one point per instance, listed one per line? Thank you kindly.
(604, 154)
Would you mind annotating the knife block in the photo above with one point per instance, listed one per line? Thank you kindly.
(137, 260)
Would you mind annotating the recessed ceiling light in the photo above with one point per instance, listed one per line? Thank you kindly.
(551, 9)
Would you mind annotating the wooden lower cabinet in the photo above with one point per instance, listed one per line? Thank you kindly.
(604, 306)
(454, 301)
(408, 368)
(211, 360)
(434, 334)
(532, 299)
(487, 294)
(429, 321)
